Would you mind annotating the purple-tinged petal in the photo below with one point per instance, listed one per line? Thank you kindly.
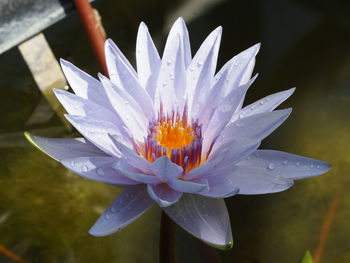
(147, 60)
(77, 105)
(124, 77)
(139, 177)
(269, 103)
(223, 113)
(96, 131)
(205, 169)
(113, 54)
(165, 170)
(84, 85)
(125, 209)
(256, 127)
(285, 165)
(219, 187)
(201, 71)
(238, 67)
(127, 109)
(133, 158)
(204, 218)
(188, 186)
(179, 28)
(99, 169)
(172, 78)
(235, 151)
(163, 195)
(251, 180)
(65, 148)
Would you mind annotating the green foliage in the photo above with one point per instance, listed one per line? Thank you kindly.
(307, 258)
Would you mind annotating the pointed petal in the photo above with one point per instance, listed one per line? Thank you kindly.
(201, 71)
(96, 131)
(124, 77)
(83, 84)
(127, 109)
(266, 104)
(250, 180)
(204, 218)
(99, 169)
(179, 28)
(188, 186)
(60, 149)
(238, 66)
(163, 195)
(125, 209)
(164, 169)
(139, 177)
(286, 165)
(256, 127)
(219, 187)
(172, 77)
(223, 113)
(147, 60)
(133, 158)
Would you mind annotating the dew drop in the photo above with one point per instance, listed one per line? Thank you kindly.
(297, 163)
(164, 84)
(248, 158)
(271, 166)
(318, 167)
(312, 166)
(113, 210)
(100, 171)
(192, 68)
(285, 162)
(235, 64)
(138, 51)
(261, 102)
(169, 62)
(200, 63)
(85, 168)
(107, 216)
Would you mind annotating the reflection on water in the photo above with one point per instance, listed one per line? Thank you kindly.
(45, 211)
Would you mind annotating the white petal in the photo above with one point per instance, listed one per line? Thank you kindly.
(127, 109)
(147, 60)
(201, 71)
(223, 113)
(256, 127)
(219, 187)
(163, 195)
(205, 218)
(164, 169)
(250, 180)
(179, 28)
(60, 149)
(84, 85)
(96, 131)
(125, 209)
(133, 158)
(99, 169)
(139, 177)
(285, 164)
(265, 104)
(124, 77)
(172, 77)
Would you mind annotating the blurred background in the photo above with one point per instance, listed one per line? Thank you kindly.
(46, 211)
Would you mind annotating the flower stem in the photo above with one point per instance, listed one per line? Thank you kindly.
(167, 252)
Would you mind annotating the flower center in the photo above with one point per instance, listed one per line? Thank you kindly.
(173, 136)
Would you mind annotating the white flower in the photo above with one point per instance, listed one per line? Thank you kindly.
(175, 133)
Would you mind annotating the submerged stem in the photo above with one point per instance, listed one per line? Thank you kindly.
(167, 252)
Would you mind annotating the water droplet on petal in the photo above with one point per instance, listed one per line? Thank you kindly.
(113, 210)
(107, 216)
(261, 102)
(318, 167)
(85, 168)
(312, 166)
(138, 51)
(169, 61)
(271, 166)
(297, 163)
(192, 68)
(164, 84)
(200, 63)
(100, 171)
(248, 158)
(285, 162)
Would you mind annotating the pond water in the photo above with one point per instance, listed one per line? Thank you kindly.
(46, 211)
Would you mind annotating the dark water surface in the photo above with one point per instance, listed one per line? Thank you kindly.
(45, 210)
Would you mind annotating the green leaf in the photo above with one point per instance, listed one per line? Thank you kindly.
(307, 258)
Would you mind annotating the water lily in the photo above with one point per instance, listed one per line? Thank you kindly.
(174, 132)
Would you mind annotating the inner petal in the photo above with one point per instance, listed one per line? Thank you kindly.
(174, 136)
